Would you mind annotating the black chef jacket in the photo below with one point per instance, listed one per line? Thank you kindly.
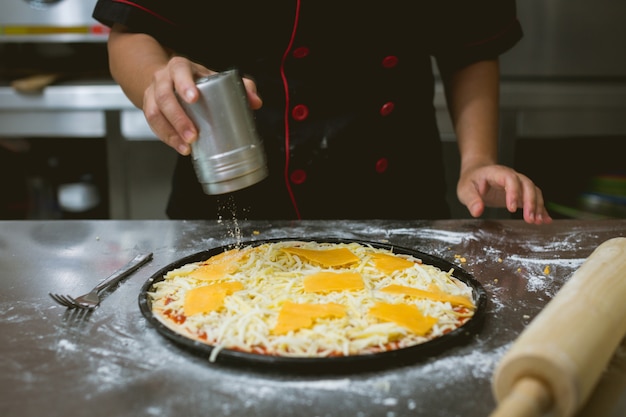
(348, 122)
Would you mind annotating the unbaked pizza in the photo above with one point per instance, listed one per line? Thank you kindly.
(311, 299)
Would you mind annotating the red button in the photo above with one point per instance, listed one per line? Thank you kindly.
(300, 52)
(381, 165)
(300, 112)
(298, 176)
(387, 108)
(390, 61)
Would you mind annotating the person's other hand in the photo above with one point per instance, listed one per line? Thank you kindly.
(501, 186)
(163, 112)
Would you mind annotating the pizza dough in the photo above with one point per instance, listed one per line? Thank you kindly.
(311, 300)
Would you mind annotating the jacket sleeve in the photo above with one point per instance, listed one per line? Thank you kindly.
(474, 30)
(154, 17)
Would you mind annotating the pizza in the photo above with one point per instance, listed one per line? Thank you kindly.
(311, 299)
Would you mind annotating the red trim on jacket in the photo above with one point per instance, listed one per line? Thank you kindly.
(287, 104)
(145, 9)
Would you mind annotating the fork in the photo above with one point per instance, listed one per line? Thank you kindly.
(91, 300)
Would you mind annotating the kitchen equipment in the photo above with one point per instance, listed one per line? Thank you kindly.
(328, 365)
(91, 300)
(78, 197)
(50, 21)
(228, 154)
(52, 56)
(555, 363)
(569, 39)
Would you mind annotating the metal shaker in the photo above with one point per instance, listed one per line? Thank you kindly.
(228, 154)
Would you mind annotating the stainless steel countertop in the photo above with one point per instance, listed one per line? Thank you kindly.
(78, 95)
(113, 363)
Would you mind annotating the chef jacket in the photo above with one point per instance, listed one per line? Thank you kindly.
(348, 122)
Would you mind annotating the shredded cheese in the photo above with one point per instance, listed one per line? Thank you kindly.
(310, 299)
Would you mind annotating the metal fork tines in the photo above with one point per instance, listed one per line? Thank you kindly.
(91, 300)
(65, 300)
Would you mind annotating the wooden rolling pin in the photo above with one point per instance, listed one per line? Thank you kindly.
(557, 360)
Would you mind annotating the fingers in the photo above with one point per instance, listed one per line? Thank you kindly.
(162, 108)
(182, 74)
(167, 117)
(162, 126)
(471, 197)
(499, 186)
(534, 208)
(253, 96)
(514, 188)
(522, 193)
(476, 207)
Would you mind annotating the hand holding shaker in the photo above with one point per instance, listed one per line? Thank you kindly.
(228, 154)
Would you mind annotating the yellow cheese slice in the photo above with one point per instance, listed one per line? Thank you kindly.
(218, 266)
(295, 316)
(407, 316)
(325, 257)
(208, 297)
(389, 263)
(333, 281)
(434, 293)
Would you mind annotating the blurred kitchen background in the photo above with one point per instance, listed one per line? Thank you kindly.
(72, 146)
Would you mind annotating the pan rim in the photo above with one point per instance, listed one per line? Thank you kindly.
(335, 364)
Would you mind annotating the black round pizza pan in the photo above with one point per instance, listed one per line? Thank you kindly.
(332, 365)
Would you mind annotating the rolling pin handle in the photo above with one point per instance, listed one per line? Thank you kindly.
(529, 397)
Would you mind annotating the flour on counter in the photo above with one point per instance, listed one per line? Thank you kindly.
(447, 236)
(539, 273)
(114, 350)
(477, 363)
(67, 346)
